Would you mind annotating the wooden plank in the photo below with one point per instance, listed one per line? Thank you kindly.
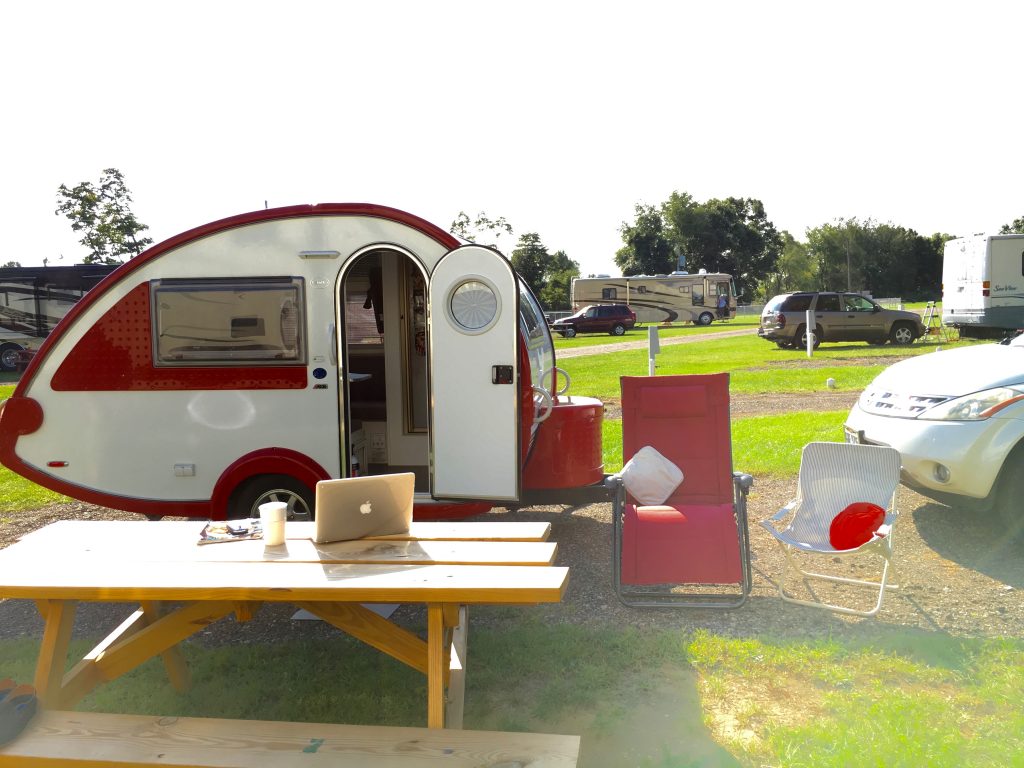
(106, 579)
(173, 659)
(89, 739)
(185, 549)
(124, 653)
(455, 700)
(141, 532)
(437, 665)
(372, 629)
(59, 616)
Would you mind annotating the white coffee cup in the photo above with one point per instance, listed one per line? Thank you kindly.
(272, 516)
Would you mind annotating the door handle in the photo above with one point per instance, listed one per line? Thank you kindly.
(501, 374)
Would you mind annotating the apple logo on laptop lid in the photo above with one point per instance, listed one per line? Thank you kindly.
(365, 508)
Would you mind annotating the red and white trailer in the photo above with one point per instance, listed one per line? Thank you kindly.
(251, 357)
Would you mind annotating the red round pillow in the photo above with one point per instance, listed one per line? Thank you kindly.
(855, 525)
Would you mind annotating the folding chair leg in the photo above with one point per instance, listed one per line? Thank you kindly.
(880, 585)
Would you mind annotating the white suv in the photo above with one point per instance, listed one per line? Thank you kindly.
(957, 419)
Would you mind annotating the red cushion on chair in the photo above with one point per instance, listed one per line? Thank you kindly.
(855, 525)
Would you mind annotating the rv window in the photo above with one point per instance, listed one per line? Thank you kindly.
(229, 321)
(684, 289)
(608, 293)
(641, 289)
(698, 296)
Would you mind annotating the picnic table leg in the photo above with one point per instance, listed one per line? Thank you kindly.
(437, 664)
(455, 701)
(53, 653)
(174, 660)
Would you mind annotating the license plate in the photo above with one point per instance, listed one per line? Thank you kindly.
(853, 436)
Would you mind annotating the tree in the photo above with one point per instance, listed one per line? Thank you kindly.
(482, 230)
(530, 259)
(103, 214)
(1016, 227)
(884, 259)
(549, 276)
(647, 249)
(12, 264)
(557, 290)
(794, 271)
(732, 235)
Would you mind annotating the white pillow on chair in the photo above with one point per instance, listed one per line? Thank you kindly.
(649, 477)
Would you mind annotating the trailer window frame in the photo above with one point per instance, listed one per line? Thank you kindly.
(236, 309)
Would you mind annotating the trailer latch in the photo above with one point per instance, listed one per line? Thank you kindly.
(501, 374)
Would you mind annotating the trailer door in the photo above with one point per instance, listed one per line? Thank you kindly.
(474, 376)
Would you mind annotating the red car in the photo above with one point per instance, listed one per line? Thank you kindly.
(615, 319)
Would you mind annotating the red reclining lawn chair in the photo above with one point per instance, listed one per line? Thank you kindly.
(693, 549)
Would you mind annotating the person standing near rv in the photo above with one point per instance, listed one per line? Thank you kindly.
(723, 306)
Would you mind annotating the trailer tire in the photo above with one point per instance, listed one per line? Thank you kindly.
(618, 329)
(9, 356)
(569, 333)
(246, 499)
(705, 318)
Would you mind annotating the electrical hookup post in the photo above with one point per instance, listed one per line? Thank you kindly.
(653, 347)
(810, 333)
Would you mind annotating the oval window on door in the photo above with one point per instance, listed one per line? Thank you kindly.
(473, 305)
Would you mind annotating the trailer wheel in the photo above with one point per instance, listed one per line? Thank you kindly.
(569, 333)
(246, 500)
(9, 356)
(705, 318)
(618, 329)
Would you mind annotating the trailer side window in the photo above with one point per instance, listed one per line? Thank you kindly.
(229, 321)
(608, 293)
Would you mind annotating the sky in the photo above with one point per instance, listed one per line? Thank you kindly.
(560, 117)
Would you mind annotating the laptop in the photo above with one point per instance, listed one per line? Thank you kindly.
(356, 507)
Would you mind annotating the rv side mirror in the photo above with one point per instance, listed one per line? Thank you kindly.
(876, 308)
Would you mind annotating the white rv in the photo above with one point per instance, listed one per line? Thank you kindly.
(662, 299)
(249, 358)
(34, 299)
(983, 284)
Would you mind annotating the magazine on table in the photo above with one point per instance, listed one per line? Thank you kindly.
(218, 531)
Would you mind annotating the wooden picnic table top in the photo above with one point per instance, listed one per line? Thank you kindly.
(135, 561)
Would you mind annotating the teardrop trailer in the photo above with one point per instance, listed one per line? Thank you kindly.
(249, 358)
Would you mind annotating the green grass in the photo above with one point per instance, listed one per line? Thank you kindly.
(761, 445)
(664, 332)
(893, 698)
(753, 365)
(877, 696)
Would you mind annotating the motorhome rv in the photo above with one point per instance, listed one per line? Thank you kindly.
(983, 285)
(249, 358)
(680, 297)
(34, 299)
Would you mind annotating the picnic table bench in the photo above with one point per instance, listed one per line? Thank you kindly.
(57, 739)
(182, 587)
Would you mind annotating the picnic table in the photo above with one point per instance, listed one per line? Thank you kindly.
(181, 587)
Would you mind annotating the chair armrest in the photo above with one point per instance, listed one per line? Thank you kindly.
(786, 510)
(742, 482)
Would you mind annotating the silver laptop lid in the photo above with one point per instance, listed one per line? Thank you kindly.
(356, 507)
